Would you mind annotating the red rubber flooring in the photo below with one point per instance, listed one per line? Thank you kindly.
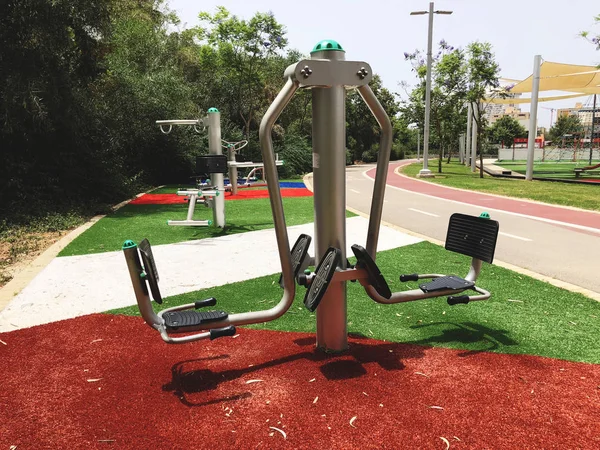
(578, 217)
(105, 381)
(245, 194)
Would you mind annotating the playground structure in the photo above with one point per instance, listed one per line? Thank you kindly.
(211, 193)
(233, 165)
(328, 75)
(214, 164)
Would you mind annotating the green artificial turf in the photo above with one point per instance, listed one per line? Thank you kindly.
(524, 315)
(137, 222)
(456, 175)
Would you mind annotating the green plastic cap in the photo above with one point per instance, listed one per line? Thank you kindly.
(484, 215)
(209, 222)
(128, 244)
(328, 44)
(213, 110)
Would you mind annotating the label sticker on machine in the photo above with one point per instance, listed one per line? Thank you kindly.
(315, 160)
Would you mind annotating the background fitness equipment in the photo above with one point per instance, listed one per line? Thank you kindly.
(215, 196)
(232, 149)
(328, 75)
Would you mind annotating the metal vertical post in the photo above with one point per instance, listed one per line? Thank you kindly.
(468, 140)
(329, 176)
(233, 172)
(592, 131)
(475, 116)
(214, 148)
(425, 172)
(535, 88)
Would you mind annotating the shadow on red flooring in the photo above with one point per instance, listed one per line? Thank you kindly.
(104, 381)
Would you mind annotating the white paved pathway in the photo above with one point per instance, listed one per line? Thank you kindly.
(77, 285)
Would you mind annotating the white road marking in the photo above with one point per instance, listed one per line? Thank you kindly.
(424, 212)
(515, 237)
(355, 191)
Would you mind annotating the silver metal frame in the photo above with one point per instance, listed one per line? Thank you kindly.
(214, 201)
(329, 75)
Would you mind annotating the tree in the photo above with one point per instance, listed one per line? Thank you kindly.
(448, 93)
(505, 130)
(565, 125)
(362, 128)
(482, 82)
(239, 51)
(593, 39)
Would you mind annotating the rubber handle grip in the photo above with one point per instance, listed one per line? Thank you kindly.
(211, 301)
(411, 277)
(455, 300)
(221, 332)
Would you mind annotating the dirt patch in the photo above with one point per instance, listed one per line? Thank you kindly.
(19, 249)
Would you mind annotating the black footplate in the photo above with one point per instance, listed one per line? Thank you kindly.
(191, 318)
(364, 261)
(323, 275)
(299, 251)
(449, 282)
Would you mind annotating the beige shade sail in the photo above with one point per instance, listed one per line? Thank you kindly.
(509, 101)
(563, 77)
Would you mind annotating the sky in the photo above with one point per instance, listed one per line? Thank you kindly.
(380, 31)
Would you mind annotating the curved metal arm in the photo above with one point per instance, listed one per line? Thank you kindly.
(418, 294)
(235, 146)
(193, 122)
(385, 148)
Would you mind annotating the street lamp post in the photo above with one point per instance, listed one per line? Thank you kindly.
(414, 126)
(425, 172)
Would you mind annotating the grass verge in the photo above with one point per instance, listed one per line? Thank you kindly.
(524, 315)
(456, 175)
(150, 221)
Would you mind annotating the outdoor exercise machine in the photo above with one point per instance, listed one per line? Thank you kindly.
(232, 149)
(328, 76)
(214, 164)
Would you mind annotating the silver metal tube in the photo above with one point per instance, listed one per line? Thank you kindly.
(214, 148)
(468, 137)
(418, 294)
(233, 172)
(383, 160)
(289, 284)
(140, 289)
(475, 116)
(178, 122)
(535, 89)
(425, 170)
(329, 178)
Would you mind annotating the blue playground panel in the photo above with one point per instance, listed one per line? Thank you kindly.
(292, 184)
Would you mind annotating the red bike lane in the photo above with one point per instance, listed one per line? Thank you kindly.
(577, 217)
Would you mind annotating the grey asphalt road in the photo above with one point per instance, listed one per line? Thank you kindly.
(559, 251)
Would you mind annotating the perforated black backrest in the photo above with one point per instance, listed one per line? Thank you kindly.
(211, 164)
(472, 236)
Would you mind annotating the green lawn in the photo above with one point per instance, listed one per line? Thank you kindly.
(583, 196)
(150, 221)
(524, 315)
(549, 169)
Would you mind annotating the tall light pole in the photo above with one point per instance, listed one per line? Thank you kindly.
(414, 126)
(425, 172)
